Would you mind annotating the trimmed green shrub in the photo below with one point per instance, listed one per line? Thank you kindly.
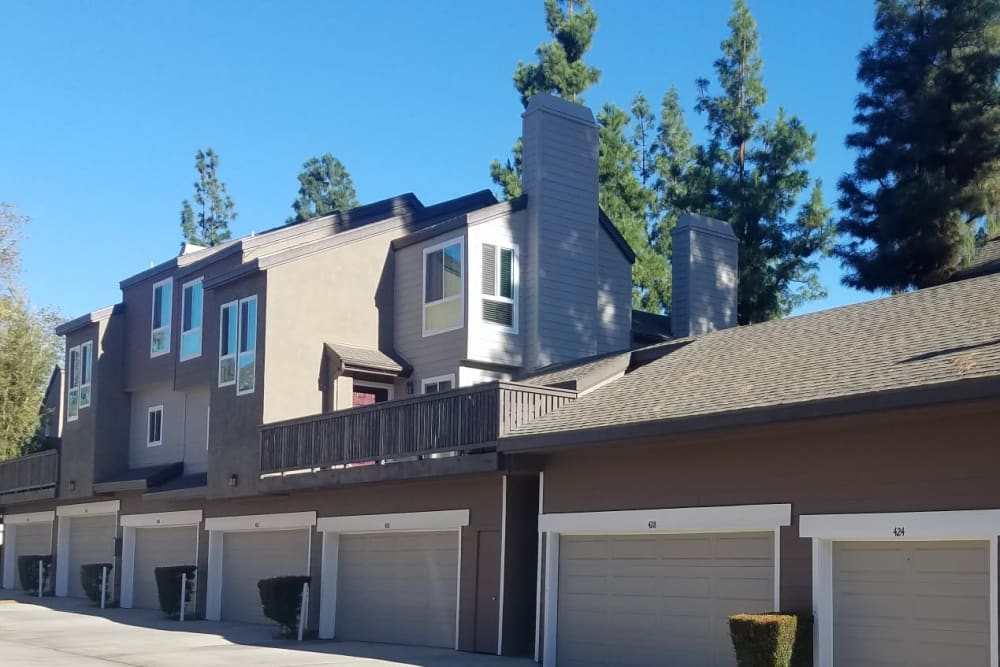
(168, 587)
(27, 571)
(90, 578)
(281, 598)
(763, 640)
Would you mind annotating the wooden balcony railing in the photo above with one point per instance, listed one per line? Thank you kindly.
(460, 420)
(29, 474)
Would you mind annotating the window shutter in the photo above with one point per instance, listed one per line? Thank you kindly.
(498, 312)
(489, 269)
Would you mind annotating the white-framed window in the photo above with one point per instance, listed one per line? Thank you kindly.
(227, 343)
(192, 301)
(154, 426)
(86, 370)
(80, 370)
(499, 285)
(246, 362)
(438, 384)
(159, 342)
(444, 307)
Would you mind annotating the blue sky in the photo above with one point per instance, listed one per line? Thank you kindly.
(105, 103)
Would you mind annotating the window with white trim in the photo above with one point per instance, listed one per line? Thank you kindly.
(499, 285)
(246, 363)
(159, 342)
(192, 300)
(436, 385)
(154, 426)
(444, 309)
(80, 367)
(227, 343)
(86, 369)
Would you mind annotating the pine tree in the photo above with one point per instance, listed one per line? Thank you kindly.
(325, 186)
(751, 173)
(923, 183)
(560, 71)
(207, 223)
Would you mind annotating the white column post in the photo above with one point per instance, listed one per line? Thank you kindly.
(104, 584)
(213, 592)
(41, 577)
(303, 608)
(62, 557)
(551, 597)
(184, 581)
(128, 566)
(328, 585)
(9, 555)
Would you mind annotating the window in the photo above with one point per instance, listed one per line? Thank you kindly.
(443, 306)
(86, 368)
(227, 344)
(162, 302)
(154, 426)
(499, 285)
(191, 314)
(247, 358)
(438, 384)
(80, 369)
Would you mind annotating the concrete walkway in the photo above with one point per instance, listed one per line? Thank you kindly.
(61, 633)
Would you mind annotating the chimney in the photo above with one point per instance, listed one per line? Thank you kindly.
(705, 263)
(559, 171)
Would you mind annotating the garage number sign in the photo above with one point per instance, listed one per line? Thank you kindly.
(898, 531)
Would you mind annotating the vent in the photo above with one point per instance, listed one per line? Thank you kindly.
(498, 312)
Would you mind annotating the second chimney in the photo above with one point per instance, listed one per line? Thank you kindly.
(705, 273)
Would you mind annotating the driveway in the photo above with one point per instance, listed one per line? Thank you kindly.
(62, 633)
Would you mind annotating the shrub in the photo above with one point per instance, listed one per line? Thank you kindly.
(168, 586)
(90, 577)
(281, 598)
(763, 640)
(802, 654)
(27, 570)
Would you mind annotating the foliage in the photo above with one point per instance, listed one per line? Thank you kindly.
(90, 578)
(926, 176)
(168, 585)
(11, 223)
(763, 640)
(281, 598)
(27, 570)
(325, 186)
(207, 222)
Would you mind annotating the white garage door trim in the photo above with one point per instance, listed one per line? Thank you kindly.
(131, 522)
(333, 527)
(725, 519)
(825, 529)
(219, 526)
(66, 514)
(11, 521)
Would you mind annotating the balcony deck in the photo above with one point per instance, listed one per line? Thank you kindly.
(27, 478)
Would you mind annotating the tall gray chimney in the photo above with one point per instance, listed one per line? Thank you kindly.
(705, 273)
(560, 316)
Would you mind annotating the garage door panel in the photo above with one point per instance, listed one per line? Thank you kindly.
(159, 547)
(248, 557)
(33, 539)
(91, 540)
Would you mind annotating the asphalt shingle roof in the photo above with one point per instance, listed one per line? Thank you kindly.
(366, 357)
(558, 374)
(987, 260)
(922, 338)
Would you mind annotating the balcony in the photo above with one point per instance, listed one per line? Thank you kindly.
(432, 430)
(31, 477)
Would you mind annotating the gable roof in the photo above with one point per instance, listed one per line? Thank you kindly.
(933, 338)
(358, 358)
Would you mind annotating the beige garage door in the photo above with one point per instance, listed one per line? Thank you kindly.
(31, 539)
(398, 588)
(91, 540)
(159, 547)
(251, 556)
(911, 604)
(654, 600)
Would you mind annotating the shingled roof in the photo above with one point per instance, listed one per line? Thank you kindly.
(929, 338)
(986, 261)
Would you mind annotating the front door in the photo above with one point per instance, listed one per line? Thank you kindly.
(487, 591)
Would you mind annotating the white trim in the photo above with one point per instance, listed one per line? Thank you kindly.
(437, 378)
(732, 518)
(777, 568)
(235, 305)
(538, 573)
(280, 521)
(825, 529)
(503, 561)
(89, 509)
(152, 317)
(71, 389)
(329, 567)
(162, 519)
(551, 597)
(409, 521)
(89, 368)
(514, 284)
(239, 335)
(128, 566)
(29, 517)
(149, 415)
(201, 326)
(460, 297)
(62, 557)
(213, 588)
(458, 587)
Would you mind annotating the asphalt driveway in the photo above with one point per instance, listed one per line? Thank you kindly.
(61, 633)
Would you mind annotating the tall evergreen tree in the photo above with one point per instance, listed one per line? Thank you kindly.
(325, 186)
(928, 142)
(560, 71)
(751, 173)
(207, 222)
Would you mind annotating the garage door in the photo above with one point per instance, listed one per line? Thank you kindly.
(31, 539)
(160, 547)
(398, 588)
(654, 600)
(91, 540)
(248, 557)
(910, 604)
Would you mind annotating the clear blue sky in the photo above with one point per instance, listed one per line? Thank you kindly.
(105, 103)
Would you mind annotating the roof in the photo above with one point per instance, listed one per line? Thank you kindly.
(931, 338)
(580, 374)
(98, 315)
(650, 327)
(367, 358)
(984, 262)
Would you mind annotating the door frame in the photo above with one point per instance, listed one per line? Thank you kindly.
(66, 514)
(409, 522)
(10, 524)
(130, 523)
(942, 526)
(665, 521)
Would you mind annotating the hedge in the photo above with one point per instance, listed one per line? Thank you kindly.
(27, 570)
(281, 598)
(90, 577)
(168, 587)
(763, 640)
